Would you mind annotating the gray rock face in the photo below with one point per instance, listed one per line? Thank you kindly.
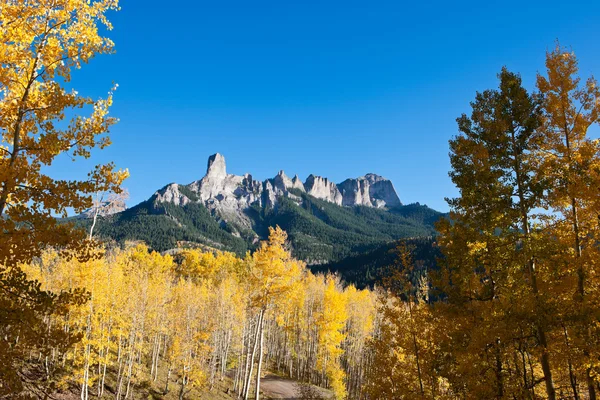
(216, 168)
(297, 184)
(171, 194)
(322, 188)
(106, 209)
(229, 196)
(281, 182)
(369, 190)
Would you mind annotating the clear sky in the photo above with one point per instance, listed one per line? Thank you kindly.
(334, 88)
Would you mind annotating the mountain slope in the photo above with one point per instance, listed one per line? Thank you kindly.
(326, 222)
(319, 231)
(165, 226)
(368, 268)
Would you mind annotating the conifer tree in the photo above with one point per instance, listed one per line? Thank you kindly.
(493, 247)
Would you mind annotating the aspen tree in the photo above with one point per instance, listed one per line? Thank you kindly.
(361, 309)
(272, 276)
(200, 317)
(330, 324)
(41, 43)
(570, 161)
(405, 360)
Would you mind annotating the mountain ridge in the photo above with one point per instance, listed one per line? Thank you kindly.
(370, 190)
(326, 222)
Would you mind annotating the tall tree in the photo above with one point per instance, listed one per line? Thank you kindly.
(570, 161)
(493, 219)
(41, 42)
(404, 351)
(273, 273)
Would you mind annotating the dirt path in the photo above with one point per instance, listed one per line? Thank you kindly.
(276, 387)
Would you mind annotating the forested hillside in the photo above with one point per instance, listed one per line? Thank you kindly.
(319, 231)
(372, 267)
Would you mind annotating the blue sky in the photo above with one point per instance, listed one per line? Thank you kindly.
(334, 88)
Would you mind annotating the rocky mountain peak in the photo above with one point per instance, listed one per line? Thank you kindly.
(297, 184)
(216, 167)
(281, 182)
(370, 190)
(373, 178)
(231, 195)
(171, 194)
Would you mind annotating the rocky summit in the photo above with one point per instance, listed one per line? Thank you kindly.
(230, 195)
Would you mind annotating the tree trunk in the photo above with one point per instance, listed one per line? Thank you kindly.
(182, 388)
(251, 368)
(545, 359)
(96, 211)
(167, 381)
(260, 354)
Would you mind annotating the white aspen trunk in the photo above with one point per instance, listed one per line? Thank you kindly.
(129, 364)
(84, 391)
(103, 378)
(241, 366)
(154, 351)
(260, 354)
(236, 381)
(182, 387)
(96, 212)
(251, 368)
(86, 368)
(156, 360)
(129, 373)
(100, 354)
(167, 381)
(224, 361)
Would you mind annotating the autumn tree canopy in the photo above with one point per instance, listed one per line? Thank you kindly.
(41, 42)
(516, 306)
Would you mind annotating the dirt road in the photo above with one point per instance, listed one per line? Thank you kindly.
(276, 387)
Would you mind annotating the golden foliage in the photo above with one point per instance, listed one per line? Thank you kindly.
(200, 317)
(41, 43)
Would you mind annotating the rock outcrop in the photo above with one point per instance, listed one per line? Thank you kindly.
(171, 194)
(230, 196)
(281, 182)
(322, 188)
(106, 208)
(370, 190)
(297, 184)
(216, 168)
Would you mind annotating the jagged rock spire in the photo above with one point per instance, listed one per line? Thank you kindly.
(216, 167)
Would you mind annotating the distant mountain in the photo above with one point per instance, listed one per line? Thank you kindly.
(230, 196)
(326, 222)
